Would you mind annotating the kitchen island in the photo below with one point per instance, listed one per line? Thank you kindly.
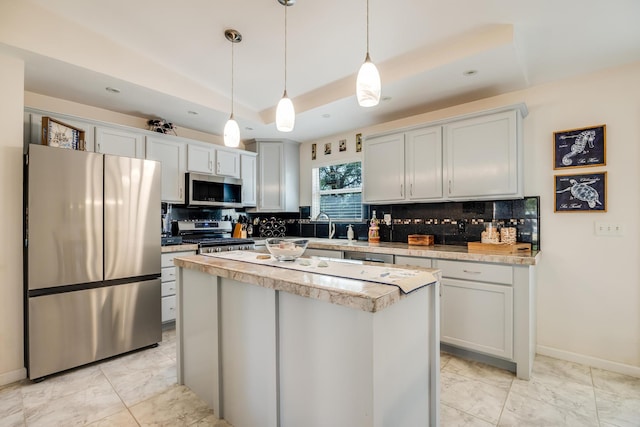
(272, 346)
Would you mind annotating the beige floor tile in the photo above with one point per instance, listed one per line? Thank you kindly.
(480, 371)
(176, 406)
(10, 401)
(94, 402)
(520, 411)
(618, 410)
(13, 420)
(613, 382)
(474, 397)
(559, 392)
(120, 419)
(452, 417)
(137, 381)
(211, 421)
(544, 366)
(60, 385)
(444, 359)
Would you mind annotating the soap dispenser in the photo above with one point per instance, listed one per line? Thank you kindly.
(350, 232)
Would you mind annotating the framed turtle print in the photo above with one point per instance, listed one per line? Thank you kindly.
(581, 193)
(578, 148)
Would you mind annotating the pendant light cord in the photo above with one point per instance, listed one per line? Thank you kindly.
(232, 43)
(367, 27)
(286, 5)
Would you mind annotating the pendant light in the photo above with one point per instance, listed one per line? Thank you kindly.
(368, 83)
(285, 113)
(231, 129)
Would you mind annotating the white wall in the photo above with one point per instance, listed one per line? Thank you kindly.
(11, 111)
(588, 286)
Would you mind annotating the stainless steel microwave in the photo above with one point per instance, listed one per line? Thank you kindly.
(209, 190)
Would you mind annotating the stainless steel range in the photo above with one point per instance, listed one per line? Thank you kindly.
(212, 236)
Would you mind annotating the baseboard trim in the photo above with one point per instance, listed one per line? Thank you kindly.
(12, 376)
(594, 362)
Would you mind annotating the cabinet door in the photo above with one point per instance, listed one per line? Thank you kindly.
(383, 168)
(200, 159)
(119, 142)
(477, 316)
(423, 163)
(227, 163)
(271, 177)
(172, 156)
(482, 157)
(326, 253)
(248, 175)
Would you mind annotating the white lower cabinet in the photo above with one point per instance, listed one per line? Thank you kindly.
(168, 284)
(415, 261)
(477, 316)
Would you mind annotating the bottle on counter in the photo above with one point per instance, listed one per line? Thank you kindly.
(350, 234)
(374, 229)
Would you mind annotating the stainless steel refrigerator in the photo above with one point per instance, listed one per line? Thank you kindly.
(92, 257)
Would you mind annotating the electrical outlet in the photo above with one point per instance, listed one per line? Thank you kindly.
(387, 219)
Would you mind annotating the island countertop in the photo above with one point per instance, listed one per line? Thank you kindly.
(358, 294)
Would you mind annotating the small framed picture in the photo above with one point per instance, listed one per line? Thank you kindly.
(313, 151)
(327, 148)
(58, 134)
(581, 193)
(578, 148)
(358, 142)
(342, 145)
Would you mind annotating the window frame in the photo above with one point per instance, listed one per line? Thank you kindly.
(316, 192)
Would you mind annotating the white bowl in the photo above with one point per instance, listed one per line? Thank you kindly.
(286, 249)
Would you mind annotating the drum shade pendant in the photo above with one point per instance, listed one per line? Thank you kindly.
(285, 112)
(368, 84)
(231, 129)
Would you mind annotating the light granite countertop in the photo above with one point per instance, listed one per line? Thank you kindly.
(450, 252)
(358, 294)
(178, 248)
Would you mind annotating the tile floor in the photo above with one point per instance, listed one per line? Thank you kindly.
(140, 389)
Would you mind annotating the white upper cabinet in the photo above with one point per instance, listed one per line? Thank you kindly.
(383, 169)
(248, 175)
(200, 158)
(227, 163)
(423, 163)
(475, 158)
(404, 166)
(172, 155)
(483, 157)
(278, 171)
(119, 142)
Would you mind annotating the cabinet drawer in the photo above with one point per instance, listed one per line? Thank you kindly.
(168, 288)
(168, 274)
(168, 308)
(167, 258)
(476, 271)
(410, 260)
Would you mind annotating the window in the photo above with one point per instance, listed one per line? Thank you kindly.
(337, 191)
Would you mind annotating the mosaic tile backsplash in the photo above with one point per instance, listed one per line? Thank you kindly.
(451, 223)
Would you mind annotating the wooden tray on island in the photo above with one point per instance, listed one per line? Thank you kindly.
(502, 248)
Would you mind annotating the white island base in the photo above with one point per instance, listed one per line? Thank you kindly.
(265, 357)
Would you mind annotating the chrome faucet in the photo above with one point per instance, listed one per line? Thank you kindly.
(332, 226)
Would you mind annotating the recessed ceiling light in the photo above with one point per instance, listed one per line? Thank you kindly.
(470, 73)
(386, 98)
(326, 116)
(112, 89)
(193, 113)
